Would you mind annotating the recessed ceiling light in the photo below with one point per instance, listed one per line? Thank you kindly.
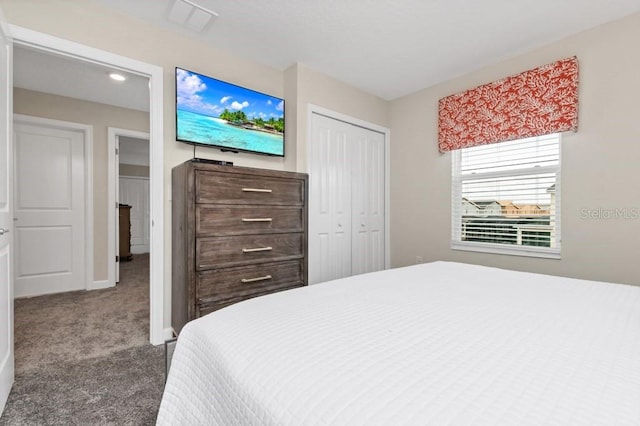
(117, 77)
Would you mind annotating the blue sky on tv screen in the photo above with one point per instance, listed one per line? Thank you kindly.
(208, 96)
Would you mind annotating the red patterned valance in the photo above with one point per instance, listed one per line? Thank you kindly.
(533, 103)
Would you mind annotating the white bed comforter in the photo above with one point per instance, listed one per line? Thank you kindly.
(434, 344)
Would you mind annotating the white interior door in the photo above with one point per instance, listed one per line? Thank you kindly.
(134, 191)
(330, 200)
(49, 207)
(347, 200)
(6, 251)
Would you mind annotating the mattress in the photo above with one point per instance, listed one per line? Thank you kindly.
(440, 343)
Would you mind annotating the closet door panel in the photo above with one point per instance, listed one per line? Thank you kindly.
(368, 201)
(341, 196)
(330, 202)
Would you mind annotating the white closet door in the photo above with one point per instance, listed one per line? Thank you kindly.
(329, 209)
(368, 201)
(346, 200)
(134, 191)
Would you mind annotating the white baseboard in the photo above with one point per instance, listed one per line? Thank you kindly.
(98, 285)
(167, 333)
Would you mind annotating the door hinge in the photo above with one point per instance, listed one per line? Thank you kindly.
(117, 259)
(117, 151)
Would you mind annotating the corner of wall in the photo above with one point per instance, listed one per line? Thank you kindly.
(292, 139)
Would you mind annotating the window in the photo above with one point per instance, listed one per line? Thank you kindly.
(506, 197)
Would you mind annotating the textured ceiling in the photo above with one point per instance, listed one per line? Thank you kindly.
(388, 48)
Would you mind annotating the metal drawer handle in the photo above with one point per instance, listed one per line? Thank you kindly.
(252, 280)
(257, 219)
(256, 190)
(251, 250)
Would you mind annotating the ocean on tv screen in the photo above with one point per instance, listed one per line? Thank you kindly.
(206, 130)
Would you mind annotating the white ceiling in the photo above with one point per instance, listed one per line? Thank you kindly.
(387, 48)
(48, 73)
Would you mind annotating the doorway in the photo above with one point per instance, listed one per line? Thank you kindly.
(53, 45)
(129, 165)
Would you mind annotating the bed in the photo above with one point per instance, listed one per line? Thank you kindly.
(441, 343)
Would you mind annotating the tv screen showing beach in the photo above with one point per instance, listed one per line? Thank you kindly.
(215, 113)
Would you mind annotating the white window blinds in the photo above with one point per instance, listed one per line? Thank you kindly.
(506, 197)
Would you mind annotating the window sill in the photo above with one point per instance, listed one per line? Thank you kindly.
(508, 250)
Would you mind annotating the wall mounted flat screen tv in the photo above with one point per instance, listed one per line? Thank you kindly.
(214, 113)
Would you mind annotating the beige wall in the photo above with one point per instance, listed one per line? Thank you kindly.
(321, 90)
(89, 23)
(134, 170)
(600, 163)
(100, 117)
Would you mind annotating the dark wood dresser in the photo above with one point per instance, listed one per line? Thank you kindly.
(237, 233)
(125, 232)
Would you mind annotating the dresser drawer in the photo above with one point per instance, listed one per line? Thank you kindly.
(212, 219)
(219, 285)
(215, 252)
(227, 188)
(206, 308)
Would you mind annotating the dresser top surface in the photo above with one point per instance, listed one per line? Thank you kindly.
(241, 170)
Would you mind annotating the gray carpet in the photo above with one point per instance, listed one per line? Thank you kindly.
(83, 358)
(84, 324)
(123, 388)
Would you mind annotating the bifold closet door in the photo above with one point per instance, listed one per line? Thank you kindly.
(346, 200)
(329, 200)
(368, 180)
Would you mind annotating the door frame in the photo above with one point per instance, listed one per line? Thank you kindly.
(87, 131)
(7, 361)
(48, 43)
(112, 186)
(315, 109)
